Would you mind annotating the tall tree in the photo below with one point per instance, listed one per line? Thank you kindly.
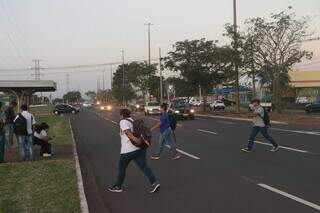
(199, 62)
(72, 96)
(120, 91)
(277, 47)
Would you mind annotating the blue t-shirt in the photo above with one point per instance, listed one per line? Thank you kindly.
(165, 122)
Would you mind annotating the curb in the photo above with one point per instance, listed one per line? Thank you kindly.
(238, 119)
(82, 195)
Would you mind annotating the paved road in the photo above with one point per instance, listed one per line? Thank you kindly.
(212, 176)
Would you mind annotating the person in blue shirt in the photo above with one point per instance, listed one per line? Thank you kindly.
(166, 135)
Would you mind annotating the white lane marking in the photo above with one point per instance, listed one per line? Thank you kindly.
(235, 118)
(226, 122)
(114, 122)
(186, 153)
(206, 131)
(290, 196)
(284, 147)
(297, 131)
(155, 119)
(82, 195)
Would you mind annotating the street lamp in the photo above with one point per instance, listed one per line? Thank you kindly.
(123, 87)
(149, 53)
(236, 66)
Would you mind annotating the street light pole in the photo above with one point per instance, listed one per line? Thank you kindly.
(123, 82)
(160, 68)
(236, 66)
(149, 53)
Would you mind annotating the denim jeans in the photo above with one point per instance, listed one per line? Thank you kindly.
(2, 143)
(23, 141)
(10, 136)
(139, 157)
(264, 131)
(166, 138)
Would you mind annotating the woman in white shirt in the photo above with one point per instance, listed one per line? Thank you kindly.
(41, 138)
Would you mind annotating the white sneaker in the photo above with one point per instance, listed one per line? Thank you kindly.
(275, 148)
(46, 155)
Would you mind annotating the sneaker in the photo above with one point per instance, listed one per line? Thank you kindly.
(275, 148)
(46, 155)
(155, 157)
(175, 157)
(154, 187)
(246, 150)
(115, 189)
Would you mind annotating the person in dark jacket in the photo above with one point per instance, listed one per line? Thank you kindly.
(10, 116)
(2, 134)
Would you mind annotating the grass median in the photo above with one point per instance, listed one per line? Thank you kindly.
(46, 185)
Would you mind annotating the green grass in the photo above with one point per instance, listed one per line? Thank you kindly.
(41, 186)
(41, 110)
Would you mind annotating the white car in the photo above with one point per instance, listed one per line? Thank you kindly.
(217, 105)
(87, 104)
(152, 108)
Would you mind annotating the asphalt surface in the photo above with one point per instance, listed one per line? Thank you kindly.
(213, 175)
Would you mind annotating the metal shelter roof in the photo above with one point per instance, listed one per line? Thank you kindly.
(28, 85)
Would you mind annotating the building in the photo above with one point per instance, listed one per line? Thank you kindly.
(306, 84)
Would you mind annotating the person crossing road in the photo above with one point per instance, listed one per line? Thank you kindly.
(260, 124)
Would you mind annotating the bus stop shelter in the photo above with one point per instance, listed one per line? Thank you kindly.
(23, 89)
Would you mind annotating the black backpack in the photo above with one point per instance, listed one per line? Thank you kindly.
(142, 132)
(266, 117)
(173, 121)
(20, 125)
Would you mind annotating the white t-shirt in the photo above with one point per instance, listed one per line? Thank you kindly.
(40, 135)
(258, 120)
(30, 120)
(126, 145)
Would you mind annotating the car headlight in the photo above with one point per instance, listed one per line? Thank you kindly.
(102, 108)
(109, 107)
(98, 102)
(137, 106)
(192, 111)
(177, 111)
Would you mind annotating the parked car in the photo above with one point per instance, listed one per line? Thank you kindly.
(217, 105)
(312, 108)
(64, 109)
(228, 102)
(152, 108)
(182, 110)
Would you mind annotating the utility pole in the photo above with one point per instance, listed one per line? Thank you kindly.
(123, 82)
(200, 93)
(67, 82)
(111, 76)
(36, 69)
(236, 65)
(103, 81)
(160, 68)
(149, 53)
(253, 71)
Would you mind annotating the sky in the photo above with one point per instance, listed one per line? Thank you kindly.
(76, 32)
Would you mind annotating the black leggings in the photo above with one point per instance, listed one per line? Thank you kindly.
(45, 146)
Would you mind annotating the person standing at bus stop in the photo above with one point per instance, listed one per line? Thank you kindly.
(10, 116)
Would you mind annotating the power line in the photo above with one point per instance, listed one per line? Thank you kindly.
(18, 43)
(75, 66)
(17, 51)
